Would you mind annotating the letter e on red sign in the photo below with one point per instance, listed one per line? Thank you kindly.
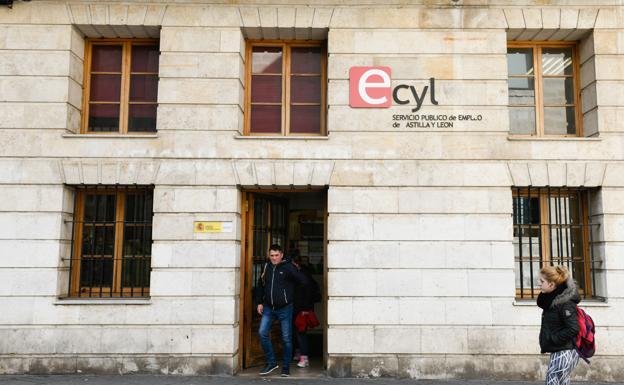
(369, 87)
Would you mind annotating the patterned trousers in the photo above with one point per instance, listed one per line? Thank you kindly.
(560, 367)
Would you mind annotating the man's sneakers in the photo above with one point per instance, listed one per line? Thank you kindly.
(285, 372)
(268, 369)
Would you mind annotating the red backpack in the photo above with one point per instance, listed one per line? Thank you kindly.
(585, 343)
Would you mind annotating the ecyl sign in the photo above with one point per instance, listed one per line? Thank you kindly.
(370, 87)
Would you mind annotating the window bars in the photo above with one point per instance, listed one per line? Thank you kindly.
(552, 226)
(111, 242)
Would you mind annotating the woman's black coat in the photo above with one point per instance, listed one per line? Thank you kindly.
(559, 318)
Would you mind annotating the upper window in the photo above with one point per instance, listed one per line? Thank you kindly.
(551, 226)
(544, 89)
(120, 86)
(286, 88)
(112, 242)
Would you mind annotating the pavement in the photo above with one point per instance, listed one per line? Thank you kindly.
(137, 379)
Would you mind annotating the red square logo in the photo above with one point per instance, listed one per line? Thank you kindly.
(369, 87)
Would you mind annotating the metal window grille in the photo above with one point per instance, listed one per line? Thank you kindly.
(111, 242)
(552, 226)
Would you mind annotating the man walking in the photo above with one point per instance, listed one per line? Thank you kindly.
(275, 296)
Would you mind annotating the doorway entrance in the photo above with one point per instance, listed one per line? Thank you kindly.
(296, 220)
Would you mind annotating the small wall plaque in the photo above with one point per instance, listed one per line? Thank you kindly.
(212, 227)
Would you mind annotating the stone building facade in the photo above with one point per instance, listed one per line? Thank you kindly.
(421, 208)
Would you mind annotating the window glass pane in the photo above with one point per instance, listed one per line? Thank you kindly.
(526, 211)
(526, 241)
(266, 60)
(574, 210)
(142, 118)
(565, 236)
(137, 240)
(137, 247)
(104, 117)
(520, 61)
(305, 60)
(99, 208)
(135, 272)
(528, 265)
(305, 89)
(557, 61)
(143, 88)
(266, 119)
(522, 120)
(106, 58)
(98, 239)
(521, 91)
(559, 121)
(132, 240)
(305, 119)
(89, 208)
(266, 89)
(105, 88)
(558, 91)
(96, 272)
(144, 58)
(578, 274)
(138, 207)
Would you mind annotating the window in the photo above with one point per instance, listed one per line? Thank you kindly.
(112, 242)
(551, 226)
(120, 86)
(286, 92)
(543, 85)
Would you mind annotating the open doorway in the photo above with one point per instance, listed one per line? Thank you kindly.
(296, 220)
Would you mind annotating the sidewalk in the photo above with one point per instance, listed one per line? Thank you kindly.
(238, 380)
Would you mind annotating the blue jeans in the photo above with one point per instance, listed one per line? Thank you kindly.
(284, 315)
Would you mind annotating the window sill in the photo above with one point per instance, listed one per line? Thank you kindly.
(584, 303)
(553, 138)
(281, 137)
(112, 136)
(102, 301)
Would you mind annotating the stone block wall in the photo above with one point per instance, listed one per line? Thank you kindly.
(420, 256)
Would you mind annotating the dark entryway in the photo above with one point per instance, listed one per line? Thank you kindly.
(296, 220)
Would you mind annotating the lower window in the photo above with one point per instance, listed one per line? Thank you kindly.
(551, 227)
(112, 242)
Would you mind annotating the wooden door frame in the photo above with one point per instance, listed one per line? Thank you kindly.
(245, 276)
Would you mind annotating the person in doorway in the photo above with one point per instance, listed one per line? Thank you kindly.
(305, 297)
(275, 296)
(558, 299)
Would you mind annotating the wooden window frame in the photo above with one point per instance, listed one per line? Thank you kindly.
(537, 47)
(124, 99)
(286, 46)
(546, 234)
(76, 247)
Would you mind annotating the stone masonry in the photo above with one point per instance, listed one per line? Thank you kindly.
(420, 258)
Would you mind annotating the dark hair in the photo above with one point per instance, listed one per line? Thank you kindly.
(276, 247)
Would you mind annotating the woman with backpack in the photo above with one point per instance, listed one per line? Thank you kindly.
(558, 299)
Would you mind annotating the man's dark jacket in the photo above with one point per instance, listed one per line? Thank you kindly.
(559, 318)
(277, 287)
